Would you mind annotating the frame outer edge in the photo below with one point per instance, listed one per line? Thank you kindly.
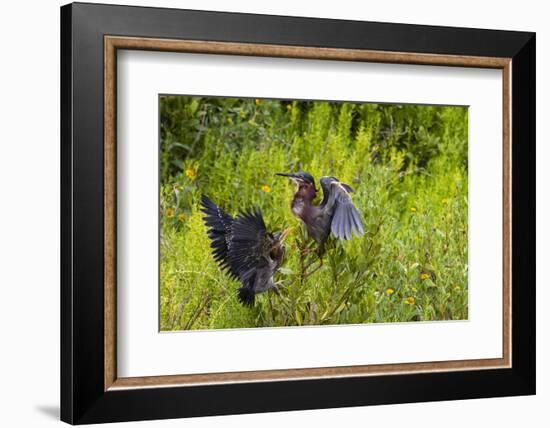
(524, 216)
(81, 382)
(66, 304)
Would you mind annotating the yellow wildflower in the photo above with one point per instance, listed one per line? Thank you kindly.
(409, 300)
(457, 288)
(258, 101)
(266, 188)
(414, 290)
(390, 291)
(182, 217)
(190, 173)
(413, 209)
(424, 275)
(169, 213)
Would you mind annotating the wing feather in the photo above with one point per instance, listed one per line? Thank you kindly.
(349, 223)
(248, 245)
(345, 217)
(336, 223)
(219, 225)
(358, 225)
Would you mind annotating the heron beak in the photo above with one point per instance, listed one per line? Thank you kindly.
(296, 179)
(286, 174)
(284, 234)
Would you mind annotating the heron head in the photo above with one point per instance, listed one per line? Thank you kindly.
(301, 178)
(277, 248)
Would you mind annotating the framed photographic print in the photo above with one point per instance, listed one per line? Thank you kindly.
(265, 213)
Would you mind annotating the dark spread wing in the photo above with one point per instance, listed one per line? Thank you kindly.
(219, 225)
(249, 244)
(239, 245)
(337, 200)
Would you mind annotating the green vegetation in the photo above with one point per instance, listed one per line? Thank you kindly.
(408, 165)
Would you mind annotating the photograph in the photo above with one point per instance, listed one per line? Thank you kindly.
(281, 212)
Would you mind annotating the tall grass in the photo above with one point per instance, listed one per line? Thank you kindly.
(408, 165)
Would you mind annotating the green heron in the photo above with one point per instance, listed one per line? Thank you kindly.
(244, 248)
(336, 212)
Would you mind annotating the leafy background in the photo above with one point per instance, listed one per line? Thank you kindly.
(407, 163)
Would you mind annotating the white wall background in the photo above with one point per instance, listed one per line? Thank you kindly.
(29, 214)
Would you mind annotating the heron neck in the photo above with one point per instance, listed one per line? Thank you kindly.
(302, 206)
(307, 194)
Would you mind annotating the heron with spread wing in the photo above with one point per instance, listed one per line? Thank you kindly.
(335, 213)
(244, 248)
